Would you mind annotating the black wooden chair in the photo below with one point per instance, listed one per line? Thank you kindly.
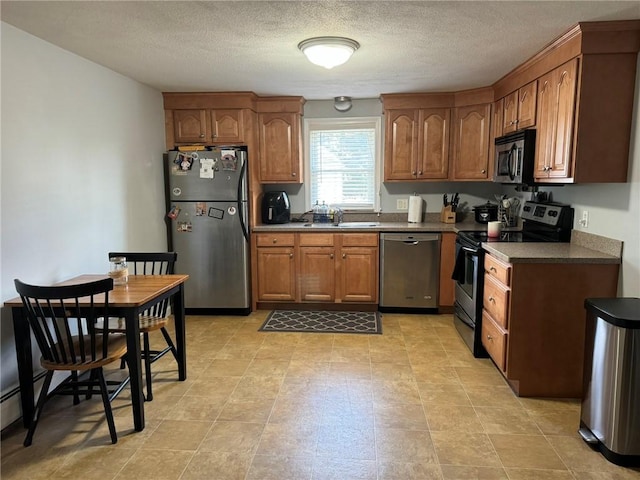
(69, 341)
(156, 318)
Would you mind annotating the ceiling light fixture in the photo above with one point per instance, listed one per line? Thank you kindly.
(328, 52)
(342, 104)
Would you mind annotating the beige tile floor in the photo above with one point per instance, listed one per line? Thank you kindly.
(409, 404)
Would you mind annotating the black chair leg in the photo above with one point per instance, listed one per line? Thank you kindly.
(107, 405)
(92, 381)
(39, 406)
(167, 338)
(147, 365)
(74, 380)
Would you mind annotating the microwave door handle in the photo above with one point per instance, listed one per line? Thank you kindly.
(513, 159)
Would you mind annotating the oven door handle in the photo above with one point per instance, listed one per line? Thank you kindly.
(470, 250)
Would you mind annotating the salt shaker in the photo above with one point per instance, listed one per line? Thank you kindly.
(119, 270)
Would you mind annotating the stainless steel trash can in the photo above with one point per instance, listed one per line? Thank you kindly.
(610, 410)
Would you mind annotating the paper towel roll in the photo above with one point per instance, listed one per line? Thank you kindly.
(415, 209)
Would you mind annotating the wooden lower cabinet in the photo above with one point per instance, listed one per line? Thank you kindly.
(276, 267)
(494, 340)
(325, 268)
(447, 292)
(534, 329)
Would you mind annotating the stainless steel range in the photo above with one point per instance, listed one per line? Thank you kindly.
(542, 222)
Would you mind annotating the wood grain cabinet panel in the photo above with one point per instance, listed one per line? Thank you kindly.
(280, 143)
(358, 274)
(556, 108)
(446, 294)
(520, 109)
(471, 142)
(190, 126)
(276, 274)
(208, 127)
(534, 330)
(227, 126)
(496, 300)
(316, 274)
(494, 340)
(417, 144)
(498, 270)
(327, 267)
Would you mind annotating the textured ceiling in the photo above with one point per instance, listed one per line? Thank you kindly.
(252, 46)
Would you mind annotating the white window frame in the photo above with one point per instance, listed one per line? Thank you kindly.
(338, 124)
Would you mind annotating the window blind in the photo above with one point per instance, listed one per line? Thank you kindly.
(342, 162)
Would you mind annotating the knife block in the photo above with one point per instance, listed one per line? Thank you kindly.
(447, 215)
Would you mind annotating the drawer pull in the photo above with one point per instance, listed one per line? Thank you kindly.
(489, 337)
(491, 299)
(492, 269)
(275, 240)
(291, 255)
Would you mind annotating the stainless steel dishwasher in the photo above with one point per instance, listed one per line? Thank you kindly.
(409, 270)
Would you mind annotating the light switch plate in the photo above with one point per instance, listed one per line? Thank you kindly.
(402, 204)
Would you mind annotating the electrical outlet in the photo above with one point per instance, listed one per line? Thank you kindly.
(402, 204)
(584, 221)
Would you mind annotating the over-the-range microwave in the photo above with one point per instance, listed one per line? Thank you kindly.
(515, 157)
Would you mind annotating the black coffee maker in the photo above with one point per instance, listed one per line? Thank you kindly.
(276, 207)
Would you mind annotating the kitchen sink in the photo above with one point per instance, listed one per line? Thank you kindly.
(358, 224)
(344, 225)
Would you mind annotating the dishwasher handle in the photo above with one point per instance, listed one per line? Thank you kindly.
(409, 239)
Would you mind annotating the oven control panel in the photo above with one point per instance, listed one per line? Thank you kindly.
(551, 214)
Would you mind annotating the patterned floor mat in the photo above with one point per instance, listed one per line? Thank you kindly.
(322, 322)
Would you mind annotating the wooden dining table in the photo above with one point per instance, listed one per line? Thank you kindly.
(127, 301)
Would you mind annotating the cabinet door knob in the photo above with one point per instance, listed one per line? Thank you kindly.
(344, 255)
(483, 171)
(275, 240)
(420, 172)
(413, 172)
(202, 135)
(291, 255)
(331, 256)
(213, 135)
(293, 174)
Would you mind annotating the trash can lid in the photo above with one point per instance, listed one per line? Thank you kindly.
(621, 312)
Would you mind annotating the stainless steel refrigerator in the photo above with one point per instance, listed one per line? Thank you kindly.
(207, 214)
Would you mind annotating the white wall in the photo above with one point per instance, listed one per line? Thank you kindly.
(81, 171)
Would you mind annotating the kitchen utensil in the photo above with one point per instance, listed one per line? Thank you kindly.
(454, 201)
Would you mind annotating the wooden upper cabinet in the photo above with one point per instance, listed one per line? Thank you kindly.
(417, 144)
(433, 151)
(556, 109)
(208, 127)
(520, 109)
(400, 144)
(190, 126)
(280, 143)
(227, 126)
(471, 142)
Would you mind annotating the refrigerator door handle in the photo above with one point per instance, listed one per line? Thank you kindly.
(241, 212)
(241, 197)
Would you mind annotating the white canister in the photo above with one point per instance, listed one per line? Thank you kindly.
(493, 229)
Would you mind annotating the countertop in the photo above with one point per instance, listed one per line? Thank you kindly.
(508, 252)
(379, 227)
(547, 253)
